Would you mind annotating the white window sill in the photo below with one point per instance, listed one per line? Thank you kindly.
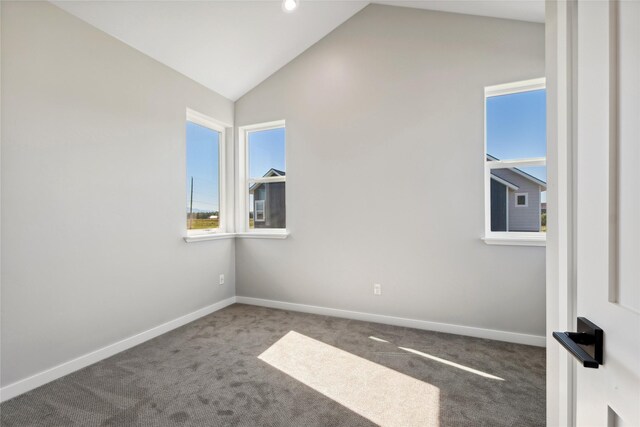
(517, 239)
(208, 236)
(271, 234)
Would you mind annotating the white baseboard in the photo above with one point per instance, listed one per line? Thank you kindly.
(41, 378)
(491, 334)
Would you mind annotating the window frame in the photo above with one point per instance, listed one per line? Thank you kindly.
(509, 237)
(244, 181)
(217, 126)
(526, 200)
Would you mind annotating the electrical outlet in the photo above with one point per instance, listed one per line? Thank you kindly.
(377, 289)
(222, 279)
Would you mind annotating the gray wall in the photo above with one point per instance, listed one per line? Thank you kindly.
(93, 192)
(379, 113)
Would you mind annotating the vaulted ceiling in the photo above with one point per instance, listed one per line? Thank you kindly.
(232, 46)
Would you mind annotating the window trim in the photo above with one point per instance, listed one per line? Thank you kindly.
(508, 237)
(243, 181)
(515, 87)
(526, 200)
(215, 125)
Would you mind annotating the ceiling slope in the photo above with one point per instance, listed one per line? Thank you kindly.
(227, 46)
(232, 46)
(521, 10)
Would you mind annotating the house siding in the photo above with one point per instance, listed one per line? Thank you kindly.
(275, 215)
(522, 218)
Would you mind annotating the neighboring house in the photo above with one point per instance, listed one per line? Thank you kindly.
(269, 202)
(515, 200)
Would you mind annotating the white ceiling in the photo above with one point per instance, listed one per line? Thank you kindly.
(522, 10)
(232, 46)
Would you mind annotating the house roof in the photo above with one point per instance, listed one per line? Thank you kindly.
(274, 172)
(521, 173)
(503, 181)
(271, 172)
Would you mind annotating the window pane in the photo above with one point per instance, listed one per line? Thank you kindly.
(266, 153)
(518, 200)
(267, 205)
(517, 125)
(203, 179)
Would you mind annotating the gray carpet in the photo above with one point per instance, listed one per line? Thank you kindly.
(207, 373)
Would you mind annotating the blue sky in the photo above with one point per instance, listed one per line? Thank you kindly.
(202, 165)
(266, 151)
(517, 127)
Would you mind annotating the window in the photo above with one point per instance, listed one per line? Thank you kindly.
(259, 210)
(515, 161)
(262, 179)
(521, 199)
(205, 174)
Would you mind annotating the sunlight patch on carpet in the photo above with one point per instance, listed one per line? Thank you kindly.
(382, 395)
(455, 365)
(378, 339)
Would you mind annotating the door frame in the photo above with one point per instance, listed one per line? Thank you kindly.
(560, 57)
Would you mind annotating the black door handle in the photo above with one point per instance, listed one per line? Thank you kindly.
(585, 345)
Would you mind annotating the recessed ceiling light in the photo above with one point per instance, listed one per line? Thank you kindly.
(290, 5)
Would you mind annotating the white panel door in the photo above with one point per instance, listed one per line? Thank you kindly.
(608, 207)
